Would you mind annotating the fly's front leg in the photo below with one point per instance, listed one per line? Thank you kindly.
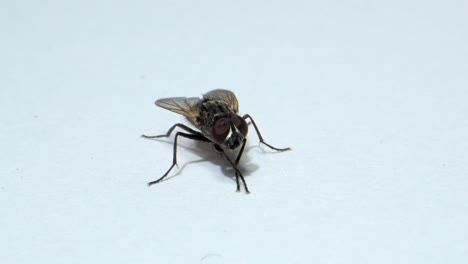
(237, 174)
(239, 155)
(260, 135)
(184, 127)
(174, 153)
(234, 166)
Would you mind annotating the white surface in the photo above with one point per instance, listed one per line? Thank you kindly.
(372, 97)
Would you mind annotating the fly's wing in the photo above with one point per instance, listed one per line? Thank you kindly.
(188, 107)
(224, 95)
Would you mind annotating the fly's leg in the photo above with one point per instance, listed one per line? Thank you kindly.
(260, 135)
(184, 127)
(234, 166)
(239, 155)
(174, 153)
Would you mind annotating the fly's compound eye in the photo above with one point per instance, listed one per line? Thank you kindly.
(220, 130)
(241, 125)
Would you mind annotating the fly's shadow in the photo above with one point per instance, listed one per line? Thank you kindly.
(207, 153)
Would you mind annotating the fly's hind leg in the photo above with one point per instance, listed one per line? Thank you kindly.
(198, 137)
(260, 135)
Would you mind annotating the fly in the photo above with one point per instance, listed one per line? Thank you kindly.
(216, 118)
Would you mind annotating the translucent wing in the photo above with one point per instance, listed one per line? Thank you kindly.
(224, 95)
(188, 107)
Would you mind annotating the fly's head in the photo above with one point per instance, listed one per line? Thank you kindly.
(229, 132)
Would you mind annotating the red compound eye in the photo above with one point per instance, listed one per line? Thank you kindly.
(220, 130)
(241, 125)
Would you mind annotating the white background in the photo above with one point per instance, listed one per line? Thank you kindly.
(372, 97)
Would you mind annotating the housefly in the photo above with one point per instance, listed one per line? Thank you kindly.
(216, 119)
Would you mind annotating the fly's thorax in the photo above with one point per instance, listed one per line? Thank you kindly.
(210, 112)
